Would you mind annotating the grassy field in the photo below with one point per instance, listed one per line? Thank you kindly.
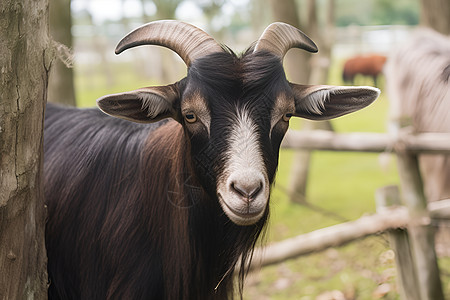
(341, 184)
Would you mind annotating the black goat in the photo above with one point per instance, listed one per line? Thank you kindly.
(166, 210)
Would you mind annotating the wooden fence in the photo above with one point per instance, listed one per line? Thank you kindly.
(406, 217)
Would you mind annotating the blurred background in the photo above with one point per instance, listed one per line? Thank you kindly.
(337, 186)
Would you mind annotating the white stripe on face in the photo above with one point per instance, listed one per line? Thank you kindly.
(243, 188)
(244, 151)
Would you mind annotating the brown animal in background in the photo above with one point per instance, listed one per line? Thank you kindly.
(368, 65)
(417, 77)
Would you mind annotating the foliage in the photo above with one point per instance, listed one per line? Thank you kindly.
(377, 12)
(403, 12)
(165, 9)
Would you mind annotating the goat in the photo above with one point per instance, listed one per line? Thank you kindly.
(368, 65)
(419, 92)
(164, 209)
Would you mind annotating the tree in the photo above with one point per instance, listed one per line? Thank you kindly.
(25, 58)
(436, 15)
(145, 17)
(61, 87)
(211, 9)
(165, 9)
(303, 68)
(286, 11)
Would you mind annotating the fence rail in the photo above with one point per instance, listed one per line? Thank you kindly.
(385, 219)
(331, 236)
(431, 143)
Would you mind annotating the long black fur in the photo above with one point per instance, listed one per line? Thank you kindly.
(132, 208)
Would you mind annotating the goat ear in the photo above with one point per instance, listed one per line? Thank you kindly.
(324, 102)
(145, 105)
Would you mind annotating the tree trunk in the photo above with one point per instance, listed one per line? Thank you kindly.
(165, 10)
(24, 60)
(422, 236)
(298, 177)
(296, 62)
(325, 38)
(145, 17)
(436, 15)
(61, 87)
(298, 69)
(317, 73)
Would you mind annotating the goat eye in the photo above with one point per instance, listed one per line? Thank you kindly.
(287, 117)
(190, 117)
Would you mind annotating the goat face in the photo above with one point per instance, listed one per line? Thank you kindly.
(227, 115)
(234, 110)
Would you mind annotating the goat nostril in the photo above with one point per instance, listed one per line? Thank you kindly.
(248, 191)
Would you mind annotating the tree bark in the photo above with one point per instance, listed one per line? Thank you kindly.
(296, 62)
(298, 69)
(298, 178)
(307, 69)
(436, 15)
(61, 86)
(24, 60)
(407, 280)
(101, 48)
(421, 235)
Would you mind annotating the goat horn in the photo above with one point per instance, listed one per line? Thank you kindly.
(188, 41)
(279, 37)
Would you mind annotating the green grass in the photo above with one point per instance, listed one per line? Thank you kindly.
(342, 184)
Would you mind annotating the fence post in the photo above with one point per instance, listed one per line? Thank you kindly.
(386, 197)
(299, 173)
(420, 231)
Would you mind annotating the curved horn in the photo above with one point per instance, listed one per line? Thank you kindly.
(279, 37)
(188, 41)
